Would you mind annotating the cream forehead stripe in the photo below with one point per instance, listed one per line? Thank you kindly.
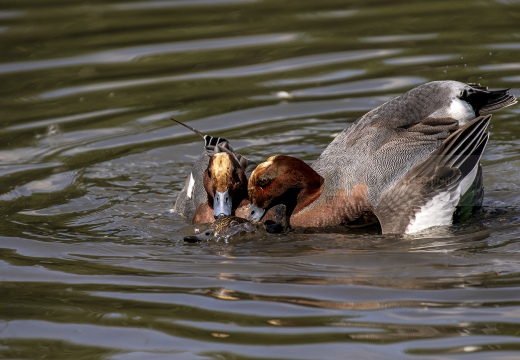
(268, 162)
(222, 165)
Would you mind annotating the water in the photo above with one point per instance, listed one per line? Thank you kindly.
(92, 262)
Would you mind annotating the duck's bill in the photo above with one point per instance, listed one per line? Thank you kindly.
(203, 236)
(256, 213)
(222, 204)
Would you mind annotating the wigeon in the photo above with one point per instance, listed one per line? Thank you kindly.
(217, 184)
(409, 164)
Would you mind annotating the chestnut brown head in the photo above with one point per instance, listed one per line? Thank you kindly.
(226, 184)
(281, 180)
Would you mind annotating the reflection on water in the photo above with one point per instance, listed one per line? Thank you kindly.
(92, 261)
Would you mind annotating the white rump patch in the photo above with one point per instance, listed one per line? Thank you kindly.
(191, 184)
(436, 212)
(461, 110)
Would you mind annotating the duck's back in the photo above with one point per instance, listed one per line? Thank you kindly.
(381, 146)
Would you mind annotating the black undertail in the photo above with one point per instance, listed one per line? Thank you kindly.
(484, 100)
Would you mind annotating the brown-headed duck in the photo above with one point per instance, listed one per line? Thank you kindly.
(217, 184)
(410, 164)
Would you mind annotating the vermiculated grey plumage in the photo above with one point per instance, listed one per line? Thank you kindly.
(443, 171)
(381, 147)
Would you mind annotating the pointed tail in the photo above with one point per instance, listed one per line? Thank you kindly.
(484, 100)
(208, 139)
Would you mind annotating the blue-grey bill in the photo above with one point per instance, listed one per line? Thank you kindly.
(203, 236)
(255, 213)
(222, 204)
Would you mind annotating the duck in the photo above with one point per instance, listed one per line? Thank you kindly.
(217, 183)
(230, 226)
(410, 164)
(224, 227)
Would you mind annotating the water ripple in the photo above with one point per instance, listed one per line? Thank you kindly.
(134, 52)
(291, 64)
(164, 4)
(92, 259)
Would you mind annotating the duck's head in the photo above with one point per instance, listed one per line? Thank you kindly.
(282, 180)
(226, 184)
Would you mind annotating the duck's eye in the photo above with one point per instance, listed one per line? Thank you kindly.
(263, 182)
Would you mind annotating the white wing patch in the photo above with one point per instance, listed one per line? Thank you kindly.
(190, 186)
(466, 183)
(436, 212)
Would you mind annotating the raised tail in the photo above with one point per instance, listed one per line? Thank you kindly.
(208, 139)
(484, 100)
(215, 145)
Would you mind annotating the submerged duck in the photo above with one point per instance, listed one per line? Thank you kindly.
(409, 164)
(223, 228)
(226, 227)
(217, 184)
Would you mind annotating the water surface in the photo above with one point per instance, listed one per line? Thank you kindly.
(92, 261)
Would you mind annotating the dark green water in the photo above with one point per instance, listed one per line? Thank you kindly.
(92, 262)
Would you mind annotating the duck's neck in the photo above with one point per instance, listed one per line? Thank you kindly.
(322, 209)
(309, 194)
(309, 186)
